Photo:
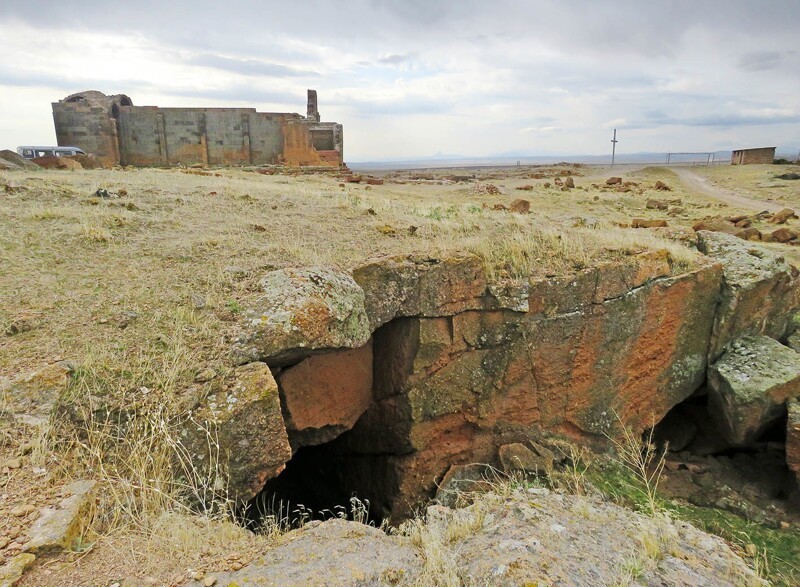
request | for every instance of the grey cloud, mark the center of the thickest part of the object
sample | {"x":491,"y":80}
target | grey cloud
{"x":760,"y":60}
{"x":250,"y":67}
{"x":394,"y":59}
{"x":658,"y":118}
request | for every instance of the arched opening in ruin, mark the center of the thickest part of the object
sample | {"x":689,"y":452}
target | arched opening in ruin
{"x":703,"y":468}
{"x":114,"y":111}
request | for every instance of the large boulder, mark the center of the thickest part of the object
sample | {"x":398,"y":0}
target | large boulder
{"x":793,"y":438}
{"x":240,"y":429}
{"x":324,"y":395}
{"x":749,"y":385}
{"x":301,"y":311}
{"x":760,"y":292}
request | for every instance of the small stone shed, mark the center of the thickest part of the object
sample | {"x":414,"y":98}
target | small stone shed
{"x":747,"y":156}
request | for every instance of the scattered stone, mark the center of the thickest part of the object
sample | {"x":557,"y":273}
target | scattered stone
{"x":782,"y":216}
{"x":499,"y":207}
{"x":12,"y":571}
{"x":461,"y":480}
{"x":780,"y":235}
{"x":17,"y":160}
{"x":205,"y":376}
{"x":546,"y":184}
{"x":302,"y":310}
{"x":518,"y":457}
{"x":61,"y":527}
{"x":15,"y":463}
{"x":569,"y":182}
{"x":22,"y":511}
{"x":387,"y":230}
{"x":748,"y":234}
{"x":743,"y":223}
{"x":654,"y":204}
{"x":525,"y":188}
{"x":660,"y":185}
{"x":614,"y":181}
{"x":198,"y":301}
{"x":374,"y":181}
{"x":520,"y":206}
{"x":645,"y":223}
{"x":31,"y":398}
{"x":749,"y":384}
{"x":209,"y":581}
{"x":714,"y":224}
{"x":488,"y":189}
{"x":105,"y":194}
{"x":788,"y":176}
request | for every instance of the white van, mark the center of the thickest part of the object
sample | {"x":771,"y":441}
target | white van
{"x":32,"y":152}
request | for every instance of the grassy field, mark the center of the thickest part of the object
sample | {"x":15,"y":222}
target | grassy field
{"x":143,"y":291}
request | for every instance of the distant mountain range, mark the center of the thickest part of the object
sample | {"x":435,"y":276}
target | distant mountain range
{"x":451,"y":160}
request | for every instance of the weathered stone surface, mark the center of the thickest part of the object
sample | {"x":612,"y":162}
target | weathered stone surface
{"x":518,"y":457}
{"x":302,"y":310}
{"x":324,"y":395}
{"x":451,"y":390}
{"x":749,"y":385}
{"x":245,"y":421}
{"x":461,"y":480}
{"x":336,"y":552}
{"x":714,"y":224}
{"x":520,"y":206}
{"x":781,"y":235}
{"x":793,"y":438}
{"x":760,"y":293}
{"x":51,"y":162}
{"x":31,"y":398}
{"x":61,"y":527}
{"x":647,"y":223}
{"x":793,"y":341}
{"x":782,"y":216}
{"x":12,"y":571}
{"x":402,"y":286}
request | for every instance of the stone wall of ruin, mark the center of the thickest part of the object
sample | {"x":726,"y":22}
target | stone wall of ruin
{"x":151,"y":136}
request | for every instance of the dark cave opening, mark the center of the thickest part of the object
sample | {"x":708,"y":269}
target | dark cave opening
{"x":319,"y":482}
{"x":703,"y":468}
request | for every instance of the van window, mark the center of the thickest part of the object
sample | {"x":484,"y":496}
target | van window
{"x":44,"y":153}
{"x":27,"y":153}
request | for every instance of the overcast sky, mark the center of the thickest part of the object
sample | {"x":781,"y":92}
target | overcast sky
{"x":413,"y":78}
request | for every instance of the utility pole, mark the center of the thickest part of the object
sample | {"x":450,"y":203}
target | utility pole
{"x":614,"y":142}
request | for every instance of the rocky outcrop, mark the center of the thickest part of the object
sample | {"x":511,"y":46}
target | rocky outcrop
{"x":760,"y":292}
{"x":619,"y":339}
{"x":530,"y":537}
{"x":300,"y":311}
{"x":749,"y":386}
{"x":336,"y":552}
{"x":240,"y":429}
{"x":460,"y":366}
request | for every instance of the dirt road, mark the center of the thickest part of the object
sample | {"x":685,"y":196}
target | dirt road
{"x":698,"y":183}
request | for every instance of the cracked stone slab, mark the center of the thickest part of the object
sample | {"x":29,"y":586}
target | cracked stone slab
{"x":749,"y":385}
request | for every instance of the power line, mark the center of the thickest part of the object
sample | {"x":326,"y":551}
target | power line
{"x":614,"y":142}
